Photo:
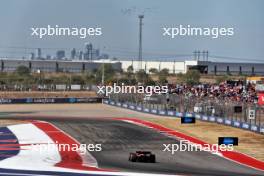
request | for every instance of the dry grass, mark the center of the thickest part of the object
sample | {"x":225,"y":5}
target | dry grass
{"x":4,"y":123}
{"x":250,"y":143}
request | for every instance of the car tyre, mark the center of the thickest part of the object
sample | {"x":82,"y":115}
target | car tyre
{"x":152,"y":159}
{"x":132,"y":157}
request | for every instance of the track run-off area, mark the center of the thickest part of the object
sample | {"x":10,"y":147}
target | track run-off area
{"x":123,"y":131}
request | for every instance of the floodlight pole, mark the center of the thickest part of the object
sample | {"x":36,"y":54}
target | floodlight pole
{"x":140,"y":41}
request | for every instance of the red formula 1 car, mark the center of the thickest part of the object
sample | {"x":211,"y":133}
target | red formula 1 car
{"x":142,"y":156}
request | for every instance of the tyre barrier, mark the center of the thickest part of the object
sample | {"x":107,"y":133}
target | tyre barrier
{"x":170,"y":113}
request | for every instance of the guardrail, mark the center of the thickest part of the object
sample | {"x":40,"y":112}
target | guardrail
{"x":171,"y":113}
{"x":49,"y":100}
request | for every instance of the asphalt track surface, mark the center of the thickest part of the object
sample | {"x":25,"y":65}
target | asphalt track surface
{"x":119,"y":138}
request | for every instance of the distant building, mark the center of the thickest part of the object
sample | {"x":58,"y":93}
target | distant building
{"x":38,"y":53}
{"x":104,"y":56}
{"x":80,"y":55}
{"x":10,"y":65}
{"x":205,"y":67}
{"x":48,"y":57}
{"x":88,"y":51}
{"x":32,"y":56}
{"x":60,"y":54}
{"x":86,"y":56}
{"x":73,"y":53}
{"x":96,"y":54}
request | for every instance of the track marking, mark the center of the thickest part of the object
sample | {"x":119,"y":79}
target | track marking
{"x":70,"y":159}
{"x":234,"y":156}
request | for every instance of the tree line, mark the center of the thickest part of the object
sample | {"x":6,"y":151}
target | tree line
{"x":23,"y":76}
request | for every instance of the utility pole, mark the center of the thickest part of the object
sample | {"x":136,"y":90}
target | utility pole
{"x":207,"y":53}
{"x":204,"y":55}
{"x":195,"y":55}
{"x":103,"y":73}
{"x":140,"y":41}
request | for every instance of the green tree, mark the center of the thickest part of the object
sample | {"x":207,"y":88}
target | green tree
{"x":192,"y":77}
{"x":61,"y":79}
{"x":164,"y":71}
{"x":22,"y":70}
{"x":77,"y":79}
{"x":153,"y":71}
{"x":89,"y":77}
{"x":143,"y":77}
{"x":130,"y":69}
{"x":162,"y":79}
{"x":22,"y":77}
{"x":163,"y":74}
{"x":109,"y":73}
{"x":130,"y":73}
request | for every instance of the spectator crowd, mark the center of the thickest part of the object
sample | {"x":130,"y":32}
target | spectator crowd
{"x":229,"y":90}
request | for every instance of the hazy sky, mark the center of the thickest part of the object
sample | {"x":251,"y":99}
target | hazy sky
{"x":120,"y":29}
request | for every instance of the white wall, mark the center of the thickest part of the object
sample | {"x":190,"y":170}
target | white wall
{"x":174,"y":67}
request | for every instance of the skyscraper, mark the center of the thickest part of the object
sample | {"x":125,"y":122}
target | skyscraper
{"x":60,"y":54}
{"x":73,"y":53}
{"x":88,"y":54}
{"x":38,"y":53}
{"x":80,"y":55}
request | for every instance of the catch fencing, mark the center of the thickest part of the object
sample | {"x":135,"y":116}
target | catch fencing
{"x":243,"y":115}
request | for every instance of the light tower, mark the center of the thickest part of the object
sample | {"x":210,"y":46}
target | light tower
{"x":140,"y":42}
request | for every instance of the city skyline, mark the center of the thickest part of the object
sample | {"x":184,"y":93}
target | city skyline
{"x":86,"y":53}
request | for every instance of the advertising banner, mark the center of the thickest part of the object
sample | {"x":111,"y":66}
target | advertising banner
{"x":50,"y":100}
{"x":261,"y":99}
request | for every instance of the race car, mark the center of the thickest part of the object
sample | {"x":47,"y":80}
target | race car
{"x":142,"y":156}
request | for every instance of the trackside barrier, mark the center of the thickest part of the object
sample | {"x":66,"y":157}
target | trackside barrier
{"x":49,"y":100}
{"x":171,"y":113}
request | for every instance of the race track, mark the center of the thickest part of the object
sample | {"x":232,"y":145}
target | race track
{"x":119,"y":138}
